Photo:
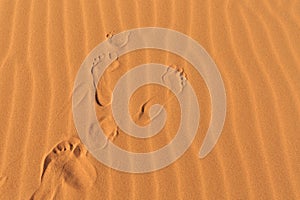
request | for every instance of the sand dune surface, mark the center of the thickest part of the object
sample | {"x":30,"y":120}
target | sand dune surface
{"x":255,"y":45}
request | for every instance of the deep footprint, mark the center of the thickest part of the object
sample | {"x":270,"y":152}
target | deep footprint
{"x":66,"y":171}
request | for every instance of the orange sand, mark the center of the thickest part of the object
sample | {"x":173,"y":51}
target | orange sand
{"x":255,"y":45}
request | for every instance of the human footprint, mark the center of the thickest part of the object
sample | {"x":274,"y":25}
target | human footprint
{"x":67,"y":173}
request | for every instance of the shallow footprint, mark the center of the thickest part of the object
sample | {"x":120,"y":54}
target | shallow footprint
{"x":67,"y":173}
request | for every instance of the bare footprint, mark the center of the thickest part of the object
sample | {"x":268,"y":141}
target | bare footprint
{"x":67,"y":173}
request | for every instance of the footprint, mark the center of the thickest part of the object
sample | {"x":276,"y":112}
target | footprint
{"x":175,"y":78}
{"x":66,"y":171}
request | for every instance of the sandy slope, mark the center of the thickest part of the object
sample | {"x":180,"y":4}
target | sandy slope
{"x":255,"y":44}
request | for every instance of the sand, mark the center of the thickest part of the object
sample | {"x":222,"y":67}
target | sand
{"x":255,"y":45}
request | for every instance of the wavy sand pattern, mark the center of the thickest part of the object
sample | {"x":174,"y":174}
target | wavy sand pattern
{"x":255,"y":44}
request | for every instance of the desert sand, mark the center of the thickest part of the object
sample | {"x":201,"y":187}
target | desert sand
{"x":256,"y":46}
